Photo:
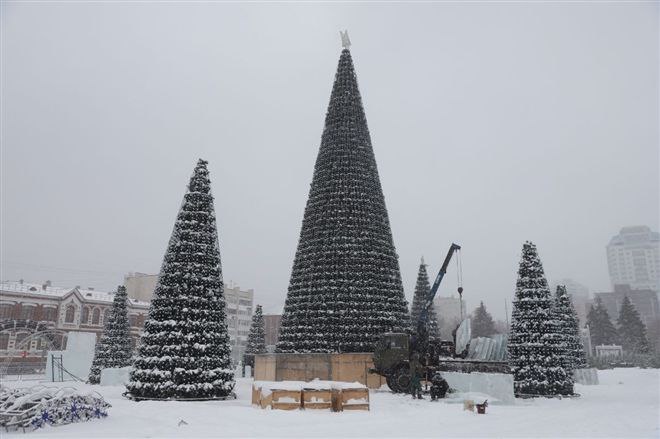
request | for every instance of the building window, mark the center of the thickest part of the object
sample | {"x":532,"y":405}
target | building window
{"x":49,"y":314}
{"x":27,"y":312}
{"x":19,"y":339}
{"x":43,"y":343}
{"x":96,"y":316}
{"x":132,"y":320}
{"x":4,"y":341}
{"x":70,"y":314}
{"x":84,"y":318}
{"x":6,"y":310}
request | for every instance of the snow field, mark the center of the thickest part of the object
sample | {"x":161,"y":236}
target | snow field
{"x":625,"y":404}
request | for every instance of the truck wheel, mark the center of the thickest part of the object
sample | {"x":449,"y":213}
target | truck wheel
{"x":402,"y":379}
{"x":391,"y":383}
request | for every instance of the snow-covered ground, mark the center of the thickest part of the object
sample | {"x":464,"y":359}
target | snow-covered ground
{"x":625,"y":404}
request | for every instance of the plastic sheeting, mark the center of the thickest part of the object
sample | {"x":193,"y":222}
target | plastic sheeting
{"x":498,"y":387}
{"x":76,"y":359}
{"x":488,"y":348}
{"x":463,"y":335}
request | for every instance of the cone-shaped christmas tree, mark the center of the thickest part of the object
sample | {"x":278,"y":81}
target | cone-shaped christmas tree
{"x":536,"y":354}
{"x":256,"y":342}
{"x":632,"y":331}
{"x":422,"y":289}
{"x":114,"y":348}
{"x":345,"y":288}
{"x":185,"y":350}
{"x":600,"y":324}
{"x":570,"y":328}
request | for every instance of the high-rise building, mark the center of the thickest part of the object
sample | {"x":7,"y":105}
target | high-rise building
{"x":633,"y":258}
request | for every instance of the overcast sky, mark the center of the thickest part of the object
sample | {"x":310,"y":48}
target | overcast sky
{"x":491,"y":123}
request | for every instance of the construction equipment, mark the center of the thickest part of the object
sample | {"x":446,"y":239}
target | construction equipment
{"x":394,"y":351}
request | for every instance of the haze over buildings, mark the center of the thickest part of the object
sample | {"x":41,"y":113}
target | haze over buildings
{"x":481,"y":138}
{"x":633,"y":258}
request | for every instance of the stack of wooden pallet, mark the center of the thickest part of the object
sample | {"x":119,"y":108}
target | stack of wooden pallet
{"x":313,"y":395}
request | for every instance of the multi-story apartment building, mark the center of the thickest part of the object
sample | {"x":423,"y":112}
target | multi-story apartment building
{"x":239,"y":318}
{"x":25,"y":307}
{"x":633,"y":258}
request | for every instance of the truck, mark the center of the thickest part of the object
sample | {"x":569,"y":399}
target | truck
{"x":393,"y":351}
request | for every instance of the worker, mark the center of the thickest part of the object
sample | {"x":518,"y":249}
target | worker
{"x":439,"y":386}
{"x":415,"y":378}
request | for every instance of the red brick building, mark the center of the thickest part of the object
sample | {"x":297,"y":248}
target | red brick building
{"x":29,"y":308}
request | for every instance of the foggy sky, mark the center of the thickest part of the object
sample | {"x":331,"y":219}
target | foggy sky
{"x":491,"y":124}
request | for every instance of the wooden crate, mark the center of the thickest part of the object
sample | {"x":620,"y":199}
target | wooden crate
{"x":256,"y":395}
{"x":315,"y":399}
{"x":285,"y":399}
{"x":353,"y":399}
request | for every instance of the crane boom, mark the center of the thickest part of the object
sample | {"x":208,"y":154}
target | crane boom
{"x":423,"y":315}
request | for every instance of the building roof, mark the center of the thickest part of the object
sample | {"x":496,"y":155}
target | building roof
{"x":60,"y":292}
{"x":635,"y":235}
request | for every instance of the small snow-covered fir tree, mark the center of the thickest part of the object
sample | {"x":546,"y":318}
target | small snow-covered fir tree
{"x":631,"y":331}
{"x":345,"y":288}
{"x":185,"y":350}
{"x":569,"y":327}
{"x":256,"y":342}
{"x":535,"y":350}
{"x":114,"y":347}
{"x":601,"y":328}
{"x":482,"y":322}
{"x":422,"y":289}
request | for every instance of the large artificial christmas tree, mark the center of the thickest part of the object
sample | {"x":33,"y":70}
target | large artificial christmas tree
{"x":114,"y":348}
{"x":422,"y":289}
{"x":482,"y":322}
{"x":600,"y":325}
{"x":345,"y":288}
{"x":256,"y":342}
{"x":631,"y":331}
{"x":536,"y":354}
{"x":185,"y":352}
{"x":570,"y":329}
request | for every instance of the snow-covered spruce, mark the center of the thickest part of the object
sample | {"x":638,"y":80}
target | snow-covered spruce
{"x":345,"y":288}
{"x":256,"y":342}
{"x":482,"y":322}
{"x":422,"y":289}
{"x":631,"y":329}
{"x":535,"y":344}
{"x":184,"y":351}
{"x":570,"y":328}
{"x":601,"y":328}
{"x":114,"y":348}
